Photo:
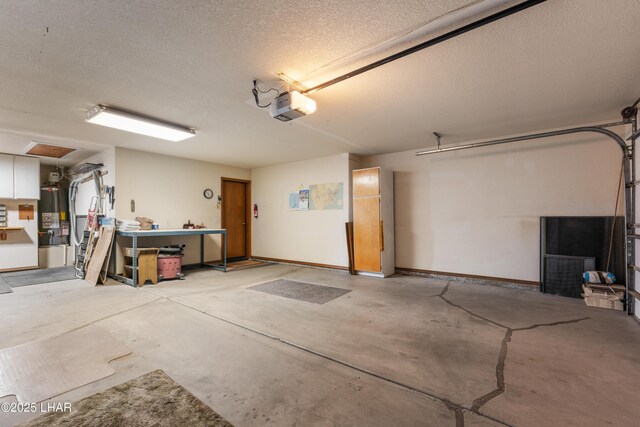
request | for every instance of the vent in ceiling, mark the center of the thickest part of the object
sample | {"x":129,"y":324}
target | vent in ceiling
{"x":47,"y":150}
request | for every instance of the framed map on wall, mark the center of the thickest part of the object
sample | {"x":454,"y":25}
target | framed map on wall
{"x":326,"y":196}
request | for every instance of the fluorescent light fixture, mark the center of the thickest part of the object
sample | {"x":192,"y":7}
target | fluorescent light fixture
{"x":110,"y":117}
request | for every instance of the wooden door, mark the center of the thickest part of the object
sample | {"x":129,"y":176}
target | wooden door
{"x":367,"y":238}
{"x":235,"y":217}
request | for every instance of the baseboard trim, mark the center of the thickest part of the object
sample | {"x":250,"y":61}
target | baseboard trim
{"x":308,"y":264}
{"x":444,"y":275}
{"x":15,"y":269}
{"x":460,"y":277}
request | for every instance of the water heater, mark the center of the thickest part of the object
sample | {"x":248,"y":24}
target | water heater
{"x":53,"y":216}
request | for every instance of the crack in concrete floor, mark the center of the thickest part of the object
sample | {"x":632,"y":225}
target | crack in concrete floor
{"x":502,"y":357}
{"x":457,"y":408}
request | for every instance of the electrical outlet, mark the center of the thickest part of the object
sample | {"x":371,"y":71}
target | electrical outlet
{"x":133,"y":205}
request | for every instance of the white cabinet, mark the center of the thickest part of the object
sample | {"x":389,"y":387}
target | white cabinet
{"x":20,"y":249}
{"x":6,"y":176}
{"x":26,"y":177}
{"x":19,"y":177}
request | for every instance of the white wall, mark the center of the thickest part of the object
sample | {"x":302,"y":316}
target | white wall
{"x":477,"y":211}
{"x":169,"y":190}
{"x":87,"y":190}
{"x":315,"y":236}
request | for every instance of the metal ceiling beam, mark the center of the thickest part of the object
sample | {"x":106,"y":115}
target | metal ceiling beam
{"x":432,"y":42}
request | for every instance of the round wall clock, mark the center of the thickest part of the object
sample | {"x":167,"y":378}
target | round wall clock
{"x":208,"y":193}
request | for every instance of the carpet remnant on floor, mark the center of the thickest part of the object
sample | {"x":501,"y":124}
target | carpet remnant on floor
{"x":153,"y":399}
{"x":36,"y":277}
{"x":39,"y":370}
{"x":317,"y":294}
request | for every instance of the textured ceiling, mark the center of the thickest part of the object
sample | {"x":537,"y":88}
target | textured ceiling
{"x":561,"y":63}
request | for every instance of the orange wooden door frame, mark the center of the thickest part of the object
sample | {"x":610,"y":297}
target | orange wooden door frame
{"x":247,"y":210}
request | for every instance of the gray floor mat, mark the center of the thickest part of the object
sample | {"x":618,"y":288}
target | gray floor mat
{"x":301,"y":291}
{"x":4,"y":288}
{"x":35,"y":277}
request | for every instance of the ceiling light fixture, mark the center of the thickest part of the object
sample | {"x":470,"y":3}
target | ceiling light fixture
{"x":110,"y":117}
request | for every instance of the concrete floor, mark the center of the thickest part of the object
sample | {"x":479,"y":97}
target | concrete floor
{"x":393,"y":352}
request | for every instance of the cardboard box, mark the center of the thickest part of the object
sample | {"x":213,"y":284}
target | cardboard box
{"x":603,"y":298}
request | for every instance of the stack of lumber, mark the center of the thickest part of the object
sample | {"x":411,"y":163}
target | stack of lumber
{"x":98,"y":256}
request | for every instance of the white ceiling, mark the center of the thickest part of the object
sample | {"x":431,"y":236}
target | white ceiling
{"x":561,"y":63}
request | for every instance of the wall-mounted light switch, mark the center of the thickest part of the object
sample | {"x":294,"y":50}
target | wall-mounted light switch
{"x":133,"y":205}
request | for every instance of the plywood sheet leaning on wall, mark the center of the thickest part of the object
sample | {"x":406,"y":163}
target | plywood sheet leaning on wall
{"x":349,"y":234}
{"x":100,"y":255}
{"x":102,"y":279}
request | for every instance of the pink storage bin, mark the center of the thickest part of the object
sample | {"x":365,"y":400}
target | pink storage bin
{"x":169,"y":266}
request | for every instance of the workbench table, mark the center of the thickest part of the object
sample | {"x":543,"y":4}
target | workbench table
{"x":133,"y":281}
